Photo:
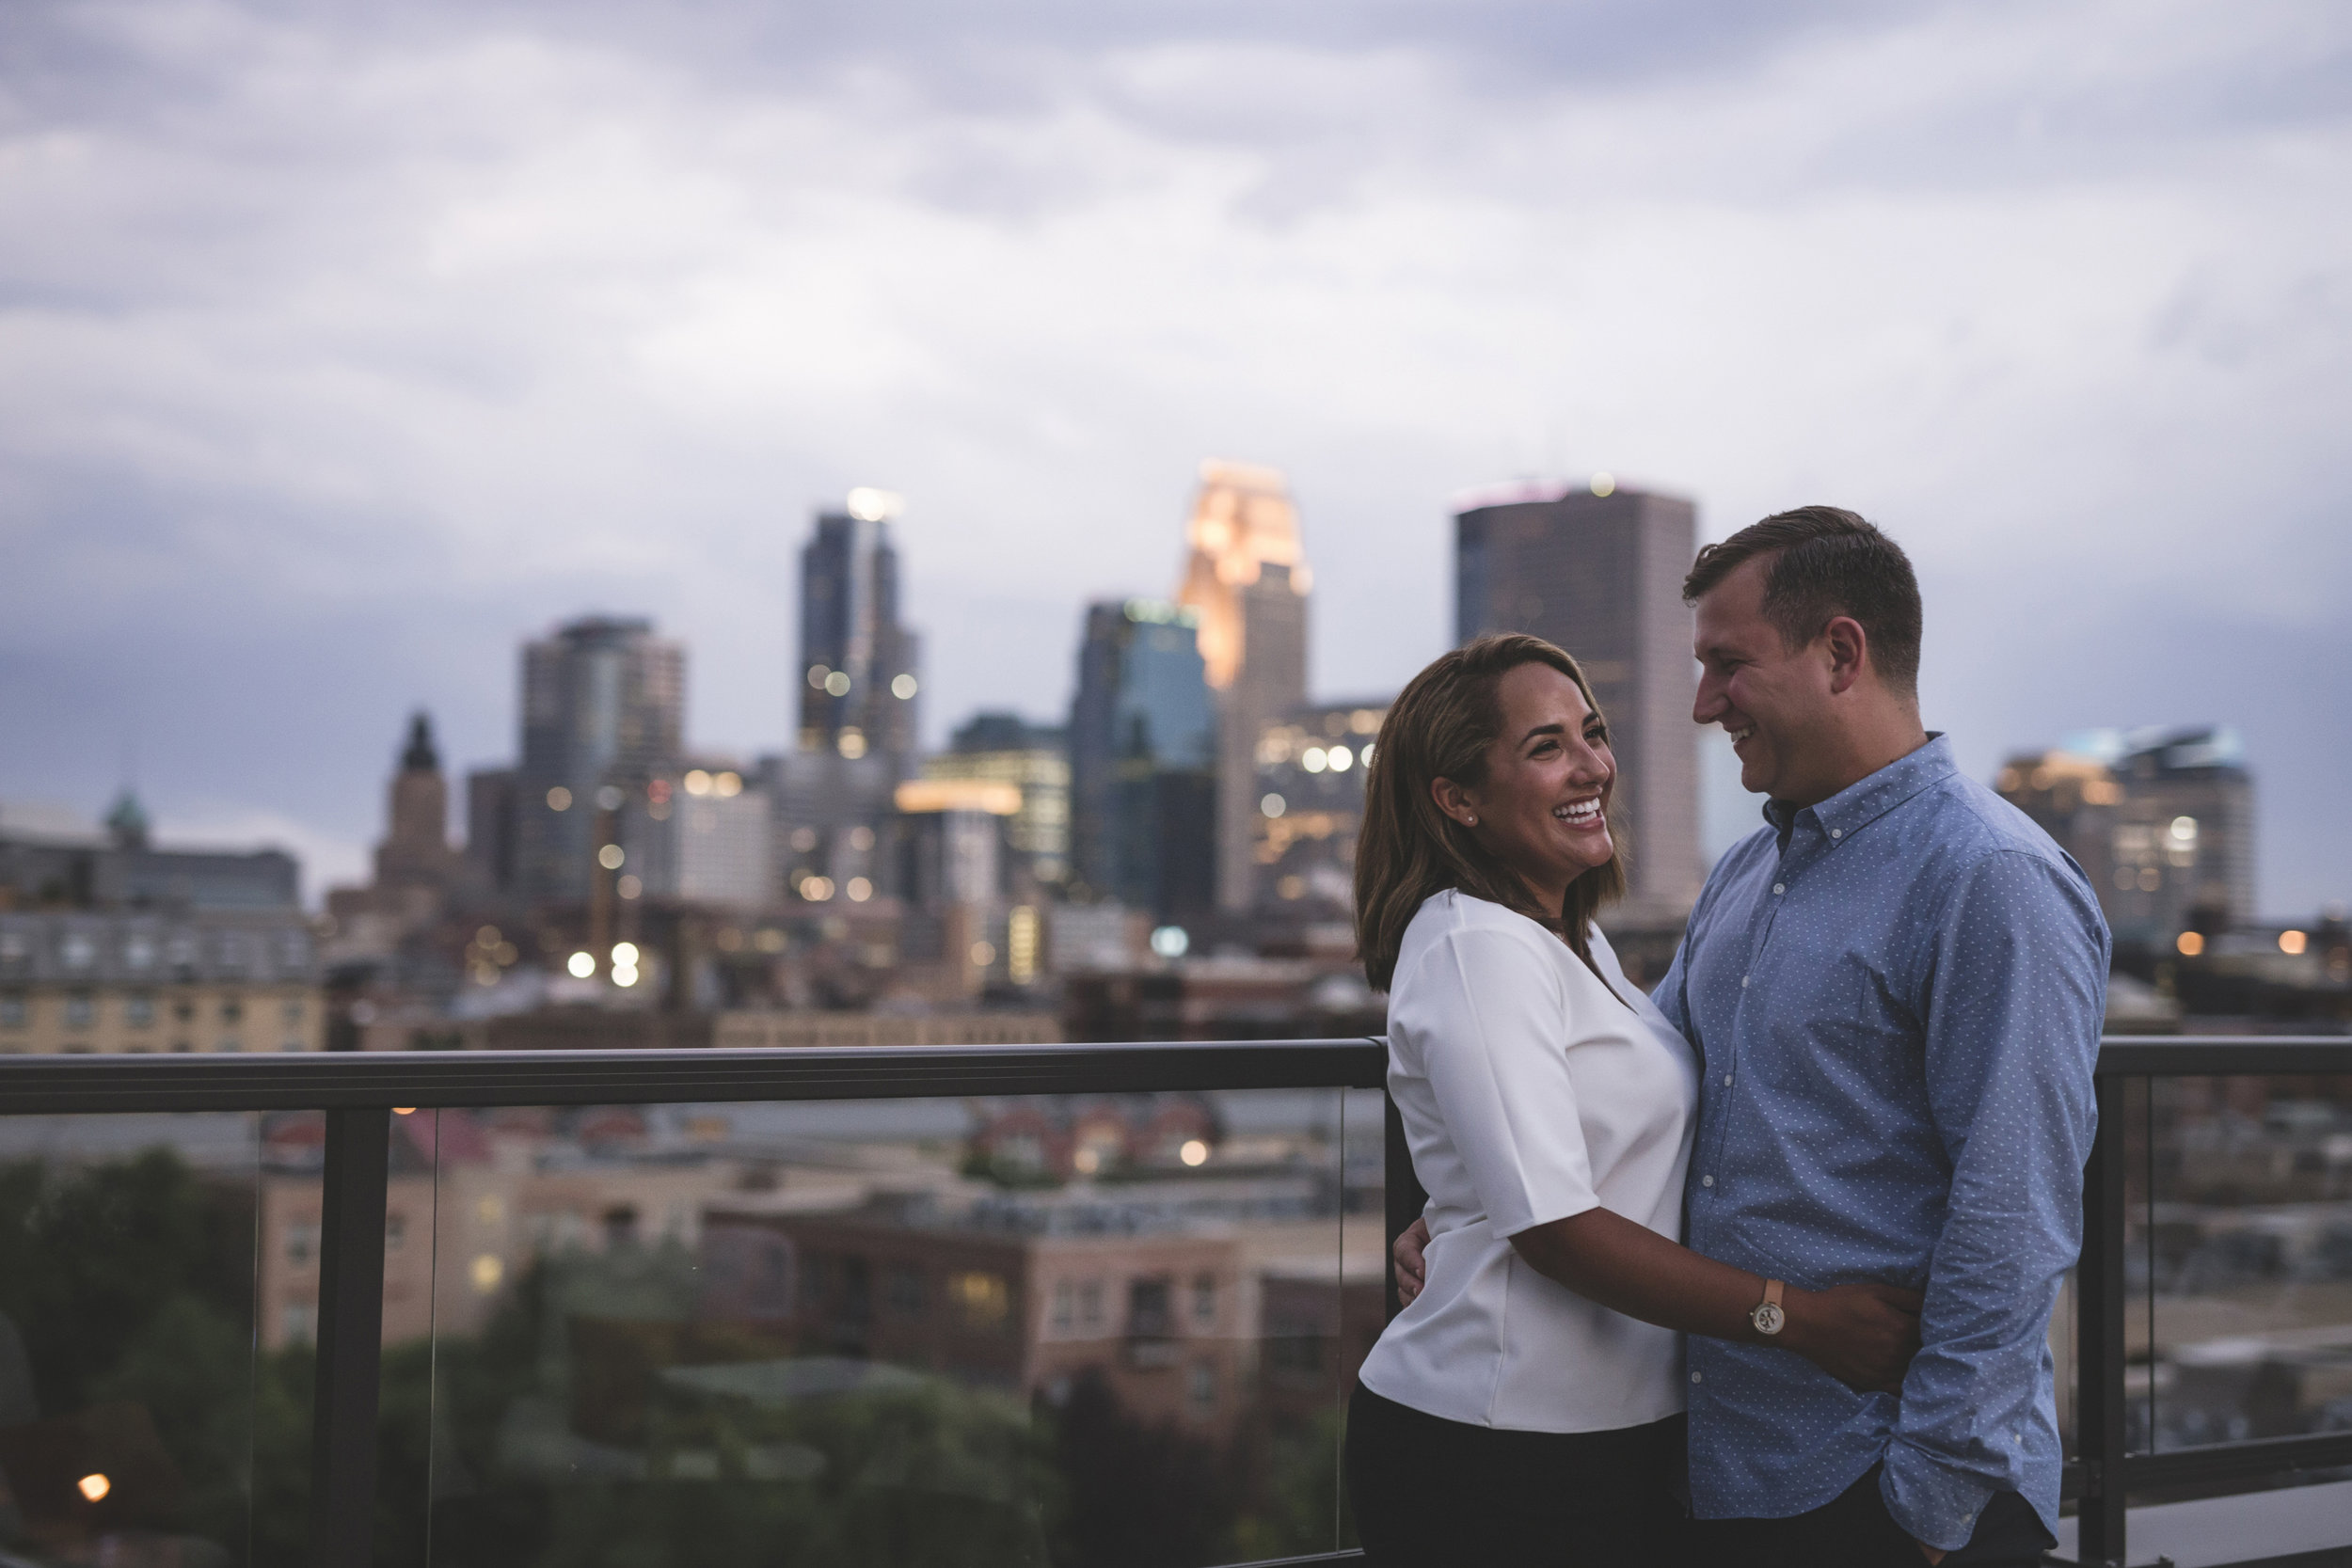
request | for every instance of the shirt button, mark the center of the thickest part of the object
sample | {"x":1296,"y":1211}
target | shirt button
{"x":1727,"y":1080}
{"x":1743,"y":982}
{"x":1707,"y":1181}
{"x":1837,"y":833}
{"x":1695,"y":1378}
{"x":1780,"y":887}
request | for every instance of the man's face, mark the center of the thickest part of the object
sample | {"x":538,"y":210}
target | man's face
{"x":1773,"y":700}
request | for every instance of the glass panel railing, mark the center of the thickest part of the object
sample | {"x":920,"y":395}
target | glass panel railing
{"x":1080,"y":1330}
{"x":129,"y":1388}
{"x":2249,"y":1257}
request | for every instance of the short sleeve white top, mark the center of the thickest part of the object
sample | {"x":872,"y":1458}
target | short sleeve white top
{"x":1529,"y":1094}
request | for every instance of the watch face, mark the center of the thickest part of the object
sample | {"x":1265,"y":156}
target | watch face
{"x":1768,"y":1317}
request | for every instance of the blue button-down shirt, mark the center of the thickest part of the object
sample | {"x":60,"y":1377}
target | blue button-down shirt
{"x":1897,"y":994}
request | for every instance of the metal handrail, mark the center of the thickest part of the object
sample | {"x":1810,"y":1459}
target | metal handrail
{"x":327,"y":1081}
{"x":359,"y":1089}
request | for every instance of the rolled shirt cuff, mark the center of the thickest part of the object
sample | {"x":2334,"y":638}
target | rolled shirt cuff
{"x":1936,"y":1502}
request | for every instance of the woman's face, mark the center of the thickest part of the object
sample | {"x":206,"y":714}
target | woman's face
{"x":1544,"y":808}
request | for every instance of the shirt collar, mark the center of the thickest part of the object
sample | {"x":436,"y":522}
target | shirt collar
{"x":1865,"y":801}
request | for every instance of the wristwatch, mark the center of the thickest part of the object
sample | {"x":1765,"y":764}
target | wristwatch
{"x":1766,"y":1315}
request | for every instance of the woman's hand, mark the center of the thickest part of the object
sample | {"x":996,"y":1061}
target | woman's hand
{"x":1861,"y":1335}
{"x":1412,"y":1269}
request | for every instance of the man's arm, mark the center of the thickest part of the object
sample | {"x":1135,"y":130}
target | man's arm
{"x":2015,"y":1000}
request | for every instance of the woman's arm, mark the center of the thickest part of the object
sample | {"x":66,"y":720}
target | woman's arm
{"x":1861,"y":1335}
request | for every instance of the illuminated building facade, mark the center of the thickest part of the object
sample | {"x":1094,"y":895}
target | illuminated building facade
{"x":1309,"y":806}
{"x":603,"y":703}
{"x":1598,"y":571}
{"x":1143,"y":747}
{"x":858,"y":663}
{"x":1245,"y":581}
{"x":2161,"y":820}
{"x":1004,"y":748}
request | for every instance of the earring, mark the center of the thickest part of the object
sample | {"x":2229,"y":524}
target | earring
{"x":1473,"y":822}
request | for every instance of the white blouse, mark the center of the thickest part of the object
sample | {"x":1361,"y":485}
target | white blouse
{"x":1529,"y":1094}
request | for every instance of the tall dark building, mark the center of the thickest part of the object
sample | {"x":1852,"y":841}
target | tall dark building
{"x":490,"y":826}
{"x":1143,"y":738}
{"x":1598,"y":571}
{"x":603,"y":702}
{"x":858,"y":662}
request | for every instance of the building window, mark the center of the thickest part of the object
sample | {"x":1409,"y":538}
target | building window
{"x":1065,"y":1306}
{"x":985,"y":1300}
{"x":904,"y":1288}
{"x":184,"y":1045}
{"x":290,"y":1045}
{"x":13,"y":1012}
{"x":81,"y":1011}
{"x":300,"y":1319}
{"x":813,"y":1269}
{"x":302,"y":1242}
{"x":228,"y":1043}
{"x":138,"y":1010}
{"x":1151,"y":1313}
{"x":139,"y":951}
{"x":396,"y":1231}
{"x":1201,"y":1387}
{"x":232,"y":1009}
{"x":183,"y":1011}
{"x":292,"y":1012}
{"x":1204,"y":1299}
{"x":1090,"y":1305}
{"x":78,"y":950}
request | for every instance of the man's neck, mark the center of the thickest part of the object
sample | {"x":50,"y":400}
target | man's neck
{"x":1862,"y":752}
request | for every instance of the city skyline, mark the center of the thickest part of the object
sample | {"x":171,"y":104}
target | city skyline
{"x":2045,"y":291}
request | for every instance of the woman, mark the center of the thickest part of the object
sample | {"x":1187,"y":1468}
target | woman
{"x":1527,"y":1406}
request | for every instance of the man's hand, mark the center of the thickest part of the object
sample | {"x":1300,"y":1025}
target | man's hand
{"x":1936,"y":1554}
{"x":1411,"y":1270}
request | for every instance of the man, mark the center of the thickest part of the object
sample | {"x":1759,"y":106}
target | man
{"x":1896,"y":988}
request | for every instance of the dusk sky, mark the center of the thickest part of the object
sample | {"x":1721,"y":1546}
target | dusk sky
{"x":344,"y":346}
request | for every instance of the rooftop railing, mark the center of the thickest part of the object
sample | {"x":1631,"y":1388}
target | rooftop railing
{"x":939,"y":1303}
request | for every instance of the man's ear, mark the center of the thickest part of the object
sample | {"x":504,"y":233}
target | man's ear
{"x":1848,"y":648}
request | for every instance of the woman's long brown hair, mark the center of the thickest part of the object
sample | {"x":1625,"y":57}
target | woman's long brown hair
{"x":1440,"y":727}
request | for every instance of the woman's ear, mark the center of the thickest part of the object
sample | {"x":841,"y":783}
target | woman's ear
{"x":1456,"y":801}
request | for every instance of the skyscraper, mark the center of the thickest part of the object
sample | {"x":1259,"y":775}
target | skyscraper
{"x":1245,"y":581}
{"x":1598,"y":571}
{"x":1142,"y":747}
{"x":857,"y":661}
{"x":603,"y":703}
{"x":2161,"y":820}
{"x":416,"y":850}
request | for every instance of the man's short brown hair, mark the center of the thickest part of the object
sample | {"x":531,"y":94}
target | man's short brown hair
{"x":1823,"y":562}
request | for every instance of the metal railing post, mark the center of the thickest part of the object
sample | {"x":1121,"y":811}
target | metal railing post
{"x":350,"y":1339}
{"x":2099,"y":1337}
{"x":1402,"y":1190}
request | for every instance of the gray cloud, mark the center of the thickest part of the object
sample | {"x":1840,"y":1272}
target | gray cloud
{"x":342,"y":346}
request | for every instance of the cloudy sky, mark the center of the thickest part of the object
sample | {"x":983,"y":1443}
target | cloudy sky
{"x":344,"y":345}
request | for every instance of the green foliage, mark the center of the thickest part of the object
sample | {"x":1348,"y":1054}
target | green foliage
{"x":1297,"y":1496}
{"x":90,"y":1258}
{"x":130,"y":1283}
